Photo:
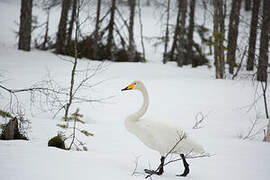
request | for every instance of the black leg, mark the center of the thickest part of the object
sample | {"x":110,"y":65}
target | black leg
{"x":186,"y":165}
{"x":160,"y":169}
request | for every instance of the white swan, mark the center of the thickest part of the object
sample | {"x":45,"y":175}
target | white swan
{"x":159,"y":135}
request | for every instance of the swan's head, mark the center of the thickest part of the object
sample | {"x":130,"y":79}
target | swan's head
{"x":134,"y":85}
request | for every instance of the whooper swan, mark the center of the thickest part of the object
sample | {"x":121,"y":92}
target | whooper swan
{"x":160,"y":135}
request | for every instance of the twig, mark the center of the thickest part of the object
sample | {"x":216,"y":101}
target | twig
{"x":136,"y":165}
{"x":199,"y":121}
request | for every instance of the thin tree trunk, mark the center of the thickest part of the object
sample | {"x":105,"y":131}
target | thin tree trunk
{"x":71,"y":22}
{"x":96,"y":35}
{"x":111,"y":29}
{"x":25,"y":25}
{"x":141,"y":29}
{"x":219,"y":38}
{"x":215,"y":35}
{"x":176,"y":31}
{"x":233,"y":34}
{"x":46,"y":29}
{"x":98,"y":16}
{"x":223,"y":12}
{"x":61,"y":34}
{"x":76,"y":17}
{"x":264,"y":43}
{"x":253,"y":35}
{"x":73,"y":72}
{"x":131,"y":47}
{"x":165,"y":55}
{"x":190,"y":33}
{"x":264,"y":89}
{"x":181,"y":46}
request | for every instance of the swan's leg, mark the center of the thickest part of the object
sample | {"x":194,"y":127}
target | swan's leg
{"x":186,"y":165}
{"x":160,"y":169}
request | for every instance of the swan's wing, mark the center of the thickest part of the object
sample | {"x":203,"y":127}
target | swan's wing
{"x":158,"y":135}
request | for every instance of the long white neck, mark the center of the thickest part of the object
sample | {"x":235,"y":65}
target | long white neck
{"x":144,"y":107}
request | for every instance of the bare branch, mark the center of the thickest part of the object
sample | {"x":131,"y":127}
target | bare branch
{"x":200,"y":117}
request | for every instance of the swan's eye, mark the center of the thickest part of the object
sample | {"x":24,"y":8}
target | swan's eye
{"x":134,"y":84}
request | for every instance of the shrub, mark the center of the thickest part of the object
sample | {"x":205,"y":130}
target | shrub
{"x":57,"y":141}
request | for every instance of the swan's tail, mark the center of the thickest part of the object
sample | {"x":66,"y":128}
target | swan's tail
{"x":196,"y":149}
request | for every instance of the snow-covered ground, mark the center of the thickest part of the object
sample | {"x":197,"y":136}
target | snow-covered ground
{"x":176,"y":94}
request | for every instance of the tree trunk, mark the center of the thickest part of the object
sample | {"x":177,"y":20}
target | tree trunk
{"x":73,"y":72}
{"x":71,"y":22}
{"x":97,"y":17}
{"x":176,"y":31}
{"x":264,"y":42}
{"x":190,"y":33}
{"x":131,"y":47}
{"x":46,"y":29}
{"x":219,"y":38}
{"x":141,"y":30}
{"x":111,"y":29}
{"x":253,"y":35}
{"x":248,"y":5}
{"x":233,"y":34}
{"x":165,"y":55}
{"x":62,"y":27}
{"x":181,"y":46}
{"x":25,"y":25}
{"x":96,"y":38}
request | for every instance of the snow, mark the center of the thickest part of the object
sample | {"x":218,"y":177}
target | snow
{"x":176,"y":94}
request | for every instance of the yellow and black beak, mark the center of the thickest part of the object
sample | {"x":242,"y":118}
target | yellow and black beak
{"x":129,"y":87}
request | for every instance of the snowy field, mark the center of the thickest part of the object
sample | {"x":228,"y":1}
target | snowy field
{"x":176,"y":95}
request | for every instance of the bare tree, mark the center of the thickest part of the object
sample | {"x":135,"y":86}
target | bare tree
{"x":181,"y":40}
{"x":165,"y":56}
{"x":71,"y":22}
{"x":25,"y":25}
{"x":192,"y":7}
{"x":264,"y":89}
{"x":131,"y":47}
{"x":46,"y":5}
{"x":253,"y":35}
{"x":176,"y":31}
{"x":111,"y":30}
{"x":62,"y":27}
{"x":264,"y":43}
{"x":141,"y":29}
{"x":218,"y":34}
{"x":233,"y":34}
{"x":97,"y":26}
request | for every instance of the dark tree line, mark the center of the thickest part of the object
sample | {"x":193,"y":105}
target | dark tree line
{"x":184,"y":50}
{"x":108,"y":41}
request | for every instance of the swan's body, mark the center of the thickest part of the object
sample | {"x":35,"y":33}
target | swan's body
{"x":162,"y":137}
{"x":159,"y":135}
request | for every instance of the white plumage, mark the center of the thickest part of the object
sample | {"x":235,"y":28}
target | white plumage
{"x":162,"y":136}
{"x":159,"y":135}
